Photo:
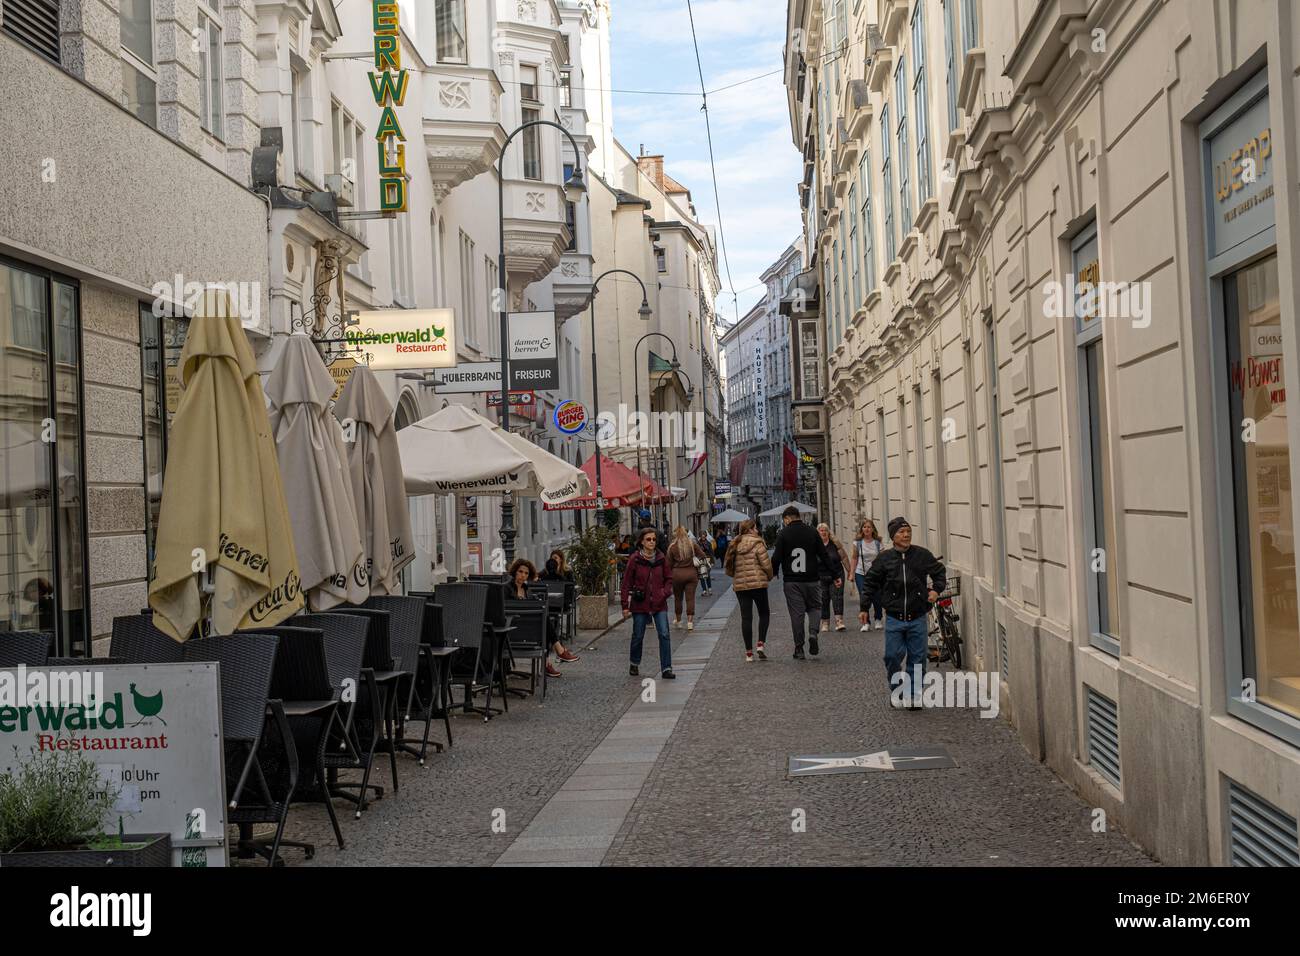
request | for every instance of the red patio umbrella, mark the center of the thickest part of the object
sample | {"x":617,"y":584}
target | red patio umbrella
{"x":621,"y":487}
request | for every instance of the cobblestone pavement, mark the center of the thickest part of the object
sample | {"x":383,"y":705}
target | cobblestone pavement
{"x":718,"y":793}
{"x":442,"y":815}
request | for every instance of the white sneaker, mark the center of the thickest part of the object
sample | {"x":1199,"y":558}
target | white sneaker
{"x":865,"y":627}
{"x":690,"y":625}
{"x":880,"y":625}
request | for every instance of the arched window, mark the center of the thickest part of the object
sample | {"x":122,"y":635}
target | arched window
{"x":408,"y":411}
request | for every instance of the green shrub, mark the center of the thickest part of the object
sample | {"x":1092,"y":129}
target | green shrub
{"x":54,"y":800}
{"x":592,"y":560}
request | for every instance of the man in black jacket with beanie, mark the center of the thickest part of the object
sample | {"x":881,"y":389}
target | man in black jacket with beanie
{"x":802,"y":560}
{"x":906,"y":579}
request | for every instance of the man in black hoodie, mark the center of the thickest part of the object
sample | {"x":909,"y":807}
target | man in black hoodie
{"x":802,"y":559}
{"x":906,"y":580}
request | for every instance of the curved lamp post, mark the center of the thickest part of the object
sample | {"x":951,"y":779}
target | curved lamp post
{"x":636,"y":379}
{"x":645,"y":313}
{"x":575,"y":183}
{"x":690,"y":397}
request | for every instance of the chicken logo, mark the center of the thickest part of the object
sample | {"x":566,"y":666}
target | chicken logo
{"x":147,"y":707}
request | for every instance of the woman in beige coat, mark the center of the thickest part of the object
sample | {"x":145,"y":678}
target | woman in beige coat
{"x":750,"y":568}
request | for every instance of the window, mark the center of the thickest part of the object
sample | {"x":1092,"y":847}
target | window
{"x":345,"y":133}
{"x":1099,"y":519}
{"x":210,"y":56}
{"x":950,"y":56}
{"x":400,"y":264}
{"x":904,"y":170}
{"x":469,"y":320}
{"x":922,"y":487}
{"x":809,"y":361}
{"x":854,"y":250}
{"x":970,"y":25}
{"x":998,"y":516}
{"x":139,"y":81}
{"x":921,"y":106}
{"x":301,"y":116}
{"x":162,"y":337}
{"x":890,"y":247}
{"x":661,"y":259}
{"x":532,"y":148}
{"x":884,"y":463}
{"x":450,"y":18}
{"x":566,"y":88}
{"x":571,"y":214}
{"x":868,"y":243}
{"x":490,"y":287}
{"x":846,"y":312}
{"x":528,"y":84}
{"x":35,"y":24}
{"x":1261,"y":470}
{"x":567,"y":57}
{"x":940,"y":463}
{"x":42,"y":550}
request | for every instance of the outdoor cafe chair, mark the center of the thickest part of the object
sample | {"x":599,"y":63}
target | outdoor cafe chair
{"x":389,"y":674}
{"x":29,"y":648}
{"x":246,"y":664}
{"x":433,"y":674}
{"x":529,"y":640}
{"x":355,"y":687}
{"x":302,"y":681}
{"x":406,"y":636}
{"x":136,"y":641}
{"x":496,"y":628}
{"x":464,"y":609}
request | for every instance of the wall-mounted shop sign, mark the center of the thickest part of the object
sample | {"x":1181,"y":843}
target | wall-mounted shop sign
{"x":389,"y":83}
{"x":534,"y":361}
{"x":1239,"y":175}
{"x":341,"y":370}
{"x":406,"y":338}
{"x":760,"y":392}
{"x":523,"y":399}
{"x":469,"y":377}
{"x":571,"y":417}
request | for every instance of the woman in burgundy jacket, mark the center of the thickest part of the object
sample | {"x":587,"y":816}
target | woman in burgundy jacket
{"x":647,"y":583}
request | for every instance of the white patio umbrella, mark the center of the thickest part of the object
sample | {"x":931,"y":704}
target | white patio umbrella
{"x":776,"y":512}
{"x":375,"y":469}
{"x":457,"y":451}
{"x":318,"y":489}
{"x":730,"y":516}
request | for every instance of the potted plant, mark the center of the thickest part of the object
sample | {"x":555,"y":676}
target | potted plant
{"x":593,"y":562}
{"x":52,"y":809}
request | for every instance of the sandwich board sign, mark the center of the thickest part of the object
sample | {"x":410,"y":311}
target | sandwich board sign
{"x":153,"y":730}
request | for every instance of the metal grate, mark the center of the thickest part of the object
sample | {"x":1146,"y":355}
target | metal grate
{"x":1259,"y":833}
{"x":1103,"y":736}
{"x":35,"y":24}
{"x":1002,"y":653}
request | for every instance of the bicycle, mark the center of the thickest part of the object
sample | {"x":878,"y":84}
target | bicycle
{"x":944,"y":636}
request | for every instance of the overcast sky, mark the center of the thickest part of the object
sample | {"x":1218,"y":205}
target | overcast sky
{"x":758,"y":166}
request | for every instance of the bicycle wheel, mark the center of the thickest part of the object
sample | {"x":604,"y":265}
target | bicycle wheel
{"x":951,"y":640}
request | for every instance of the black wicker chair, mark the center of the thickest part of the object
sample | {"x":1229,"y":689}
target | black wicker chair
{"x":464,"y":628}
{"x":389,"y":675}
{"x":28,"y":648}
{"x":435,"y":673}
{"x":496,"y":628}
{"x":528,"y":640}
{"x":136,"y":641}
{"x":408,"y":630}
{"x":247,"y":663}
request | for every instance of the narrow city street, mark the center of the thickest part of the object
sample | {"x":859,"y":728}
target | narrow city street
{"x":597,"y":776}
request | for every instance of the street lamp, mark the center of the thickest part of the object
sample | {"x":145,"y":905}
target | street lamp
{"x":645,"y":313}
{"x":690,"y":398}
{"x":636,"y":379}
{"x":574,"y":184}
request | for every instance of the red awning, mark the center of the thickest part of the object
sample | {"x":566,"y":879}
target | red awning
{"x":620,"y":487}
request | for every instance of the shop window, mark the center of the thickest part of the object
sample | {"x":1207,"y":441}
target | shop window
{"x":42,"y":507}
{"x":162,"y":337}
{"x":1262,"y":498}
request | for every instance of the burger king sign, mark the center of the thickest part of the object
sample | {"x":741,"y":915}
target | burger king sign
{"x":570,"y":417}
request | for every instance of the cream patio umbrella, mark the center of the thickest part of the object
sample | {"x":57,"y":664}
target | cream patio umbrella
{"x":223,"y":511}
{"x":457,"y":451}
{"x":375,"y":470}
{"x":313,"y":462}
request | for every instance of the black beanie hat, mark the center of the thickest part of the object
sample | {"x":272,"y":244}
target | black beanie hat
{"x":895,"y":524}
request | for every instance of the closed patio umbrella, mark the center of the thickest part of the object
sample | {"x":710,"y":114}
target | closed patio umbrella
{"x":223,"y":507}
{"x":375,"y":469}
{"x":313,"y":462}
{"x":457,"y":451}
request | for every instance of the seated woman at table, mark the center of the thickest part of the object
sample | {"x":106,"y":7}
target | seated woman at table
{"x":557,"y":569}
{"x":521,"y":573}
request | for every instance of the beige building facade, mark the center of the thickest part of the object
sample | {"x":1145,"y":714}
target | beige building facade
{"x":1053,"y":243}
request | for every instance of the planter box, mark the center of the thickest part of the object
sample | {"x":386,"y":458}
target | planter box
{"x":157,"y":851}
{"x":593,"y":612}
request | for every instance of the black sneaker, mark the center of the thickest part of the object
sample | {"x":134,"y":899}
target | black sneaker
{"x":634,"y":671}
{"x":812,"y":646}
{"x":668,"y":675}
{"x":798,"y":653}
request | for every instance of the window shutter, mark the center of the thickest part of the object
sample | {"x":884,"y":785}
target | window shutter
{"x":35,"y":24}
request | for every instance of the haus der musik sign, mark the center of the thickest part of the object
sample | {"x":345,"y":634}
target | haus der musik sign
{"x":389,"y":83}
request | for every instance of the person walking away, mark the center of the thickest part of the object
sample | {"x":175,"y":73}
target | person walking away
{"x":720,"y":552}
{"x":751,"y":569}
{"x":802,"y":560}
{"x":522,"y":573}
{"x":833,"y":585}
{"x":906,"y":579}
{"x":706,"y":569}
{"x":866,"y":548}
{"x":646,"y":586}
{"x":682,"y":555}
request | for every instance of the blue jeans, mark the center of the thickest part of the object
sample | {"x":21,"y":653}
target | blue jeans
{"x":910,"y":638}
{"x":864,"y":606}
{"x":639,"y":621}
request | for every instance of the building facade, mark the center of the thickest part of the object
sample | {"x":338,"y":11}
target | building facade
{"x":759,"y":409}
{"x":1047,"y":242}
